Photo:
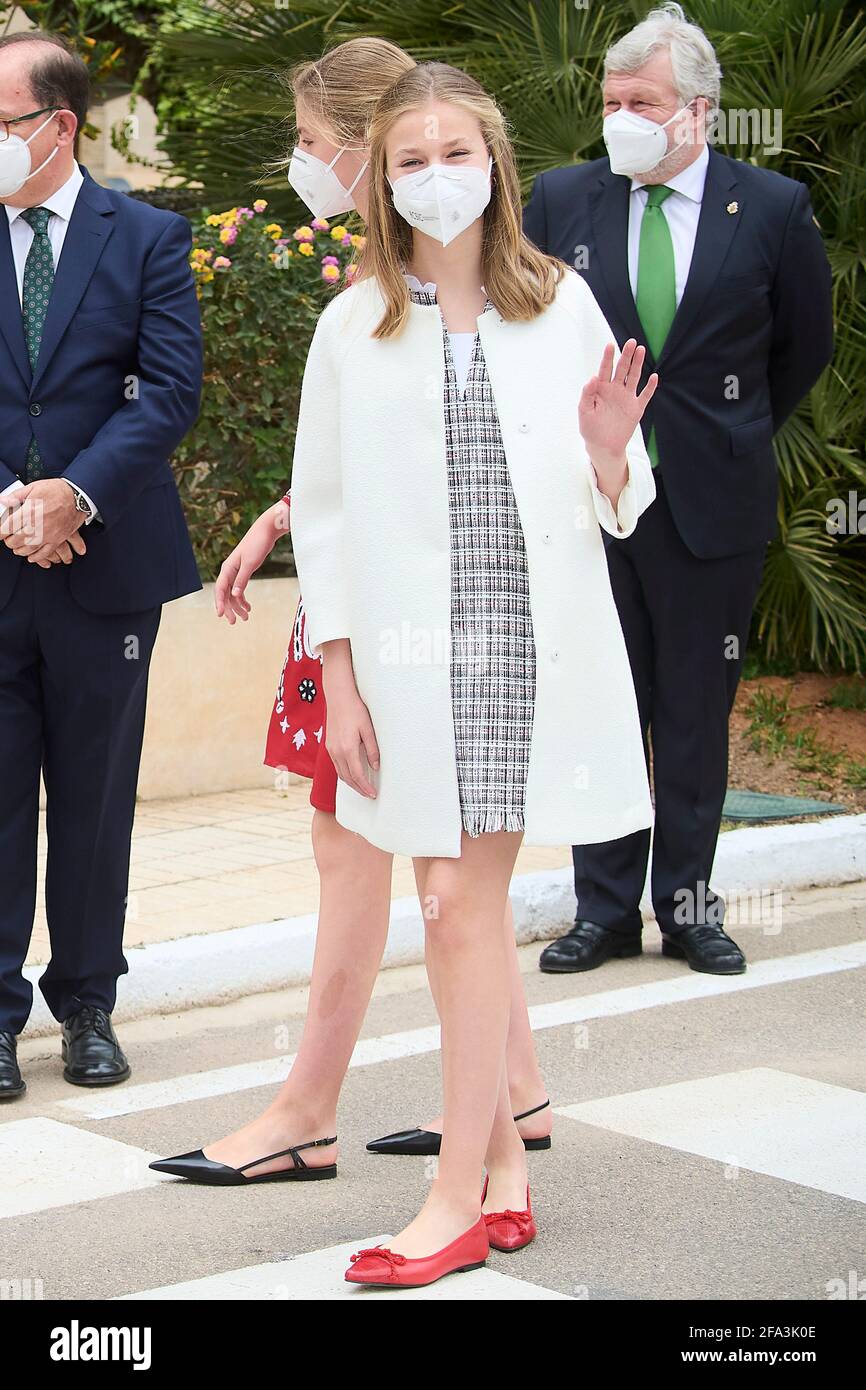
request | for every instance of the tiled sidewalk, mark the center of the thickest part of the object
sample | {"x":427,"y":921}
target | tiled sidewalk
{"x":206,"y":863}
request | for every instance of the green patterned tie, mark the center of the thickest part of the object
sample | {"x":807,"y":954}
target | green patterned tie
{"x":36,"y":292}
{"x":656,"y":282}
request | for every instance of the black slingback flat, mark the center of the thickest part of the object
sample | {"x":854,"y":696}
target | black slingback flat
{"x":426,"y":1142}
{"x":196,"y":1167}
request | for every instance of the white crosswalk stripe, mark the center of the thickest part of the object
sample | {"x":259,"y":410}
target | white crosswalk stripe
{"x":46,"y":1164}
{"x":767,"y":1121}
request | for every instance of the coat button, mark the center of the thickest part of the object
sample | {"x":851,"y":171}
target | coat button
{"x":554,"y":655}
{"x":35,"y":408}
{"x":523,"y":427}
{"x":546,"y":538}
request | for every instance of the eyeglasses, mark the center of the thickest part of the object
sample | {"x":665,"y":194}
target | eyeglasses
{"x":14,"y":120}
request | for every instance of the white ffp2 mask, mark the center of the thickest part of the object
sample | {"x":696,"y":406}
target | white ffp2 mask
{"x":317,"y":185}
{"x":442,"y":200}
{"x":635,"y":144}
{"x":16,"y":166}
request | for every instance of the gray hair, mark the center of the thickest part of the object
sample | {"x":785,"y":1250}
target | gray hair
{"x":694,"y":64}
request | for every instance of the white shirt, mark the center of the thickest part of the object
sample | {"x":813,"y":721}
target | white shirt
{"x":682,"y":211}
{"x":461,"y":356}
{"x":60,"y":205}
{"x":460,"y":343}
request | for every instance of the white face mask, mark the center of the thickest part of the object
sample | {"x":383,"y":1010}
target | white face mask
{"x":15,"y":162}
{"x":442,"y":200}
{"x":316,"y":183}
{"x":634,"y":143}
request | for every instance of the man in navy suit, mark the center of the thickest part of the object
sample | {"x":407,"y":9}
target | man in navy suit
{"x":719,"y":268}
{"x":100,"y":375}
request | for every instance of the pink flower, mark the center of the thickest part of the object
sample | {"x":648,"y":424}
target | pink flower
{"x":221,"y":263}
{"x":330,"y":260}
{"x":330,"y":272}
{"x":320,"y":225}
{"x":346,"y":240}
{"x":228,"y":236}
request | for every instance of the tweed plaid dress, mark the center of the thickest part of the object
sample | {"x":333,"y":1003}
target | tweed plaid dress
{"x":492,"y":643}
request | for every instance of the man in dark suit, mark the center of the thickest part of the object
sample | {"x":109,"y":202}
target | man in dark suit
{"x":719,"y":268}
{"x":100,"y":374}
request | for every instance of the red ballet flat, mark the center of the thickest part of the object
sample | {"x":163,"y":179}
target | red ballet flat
{"x":386,"y":1269}
{"x":510,"y":1230}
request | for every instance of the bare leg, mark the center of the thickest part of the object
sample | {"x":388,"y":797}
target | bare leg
{"x":505,"y":1160}
{"x":354,"y":909}
{"x":525,"y":1082}
{"x":471,"y":970}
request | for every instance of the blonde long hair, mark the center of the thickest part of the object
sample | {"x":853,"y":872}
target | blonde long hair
{"x":340,"y":90}
{"x":519,"y":279}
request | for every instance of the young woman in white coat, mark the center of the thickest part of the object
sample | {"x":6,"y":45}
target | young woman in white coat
{"x":334,"y":98}
{"x":463,"y":433}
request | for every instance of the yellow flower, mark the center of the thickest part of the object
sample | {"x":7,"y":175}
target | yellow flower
{"x":359,"y":241}
{"x":305,"y":249}
{"x":273,"y":229}
{"x":337,"y":233}
{"x":260,"y":204}
{"x":214,"y":220}
{"x":304,"y":234}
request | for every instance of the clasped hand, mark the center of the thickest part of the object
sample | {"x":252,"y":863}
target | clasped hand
{"x":42,"y":523}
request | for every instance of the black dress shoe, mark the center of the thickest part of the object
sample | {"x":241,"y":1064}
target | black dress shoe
{"x":12,"y":1083}
{"x":426,"y":1142}
{"x":195,"y":1167}
{"x":706,"y":948}
{"x":586,"y":946}
{"x":90,"y":1049}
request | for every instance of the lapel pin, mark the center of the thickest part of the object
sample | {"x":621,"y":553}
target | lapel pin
{"x":733,"y":207}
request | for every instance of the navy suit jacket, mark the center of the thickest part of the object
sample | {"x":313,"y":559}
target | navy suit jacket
{"x":752,"y":333}
{"x":116,"y":387}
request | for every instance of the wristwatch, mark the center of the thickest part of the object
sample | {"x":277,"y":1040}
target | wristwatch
{"x":81,"y":503}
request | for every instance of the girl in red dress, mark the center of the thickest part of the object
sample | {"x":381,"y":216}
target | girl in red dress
{"x":296,"y":732}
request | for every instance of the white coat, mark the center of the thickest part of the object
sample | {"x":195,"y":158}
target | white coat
{"x":370,"y":530}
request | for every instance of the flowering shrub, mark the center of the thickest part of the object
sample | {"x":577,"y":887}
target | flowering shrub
{"x":261,"y":289}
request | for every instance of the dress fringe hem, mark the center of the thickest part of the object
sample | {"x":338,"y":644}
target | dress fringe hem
{"x":488,"y":822}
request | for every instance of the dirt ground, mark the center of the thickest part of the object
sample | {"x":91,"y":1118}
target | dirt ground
{"x":842,"y":730}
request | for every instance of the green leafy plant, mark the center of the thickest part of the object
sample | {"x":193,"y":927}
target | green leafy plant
{"x":261,"y":289}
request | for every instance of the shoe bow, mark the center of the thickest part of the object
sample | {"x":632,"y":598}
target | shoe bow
{"x":382,"y":1252}
{"x":521,"y":1219}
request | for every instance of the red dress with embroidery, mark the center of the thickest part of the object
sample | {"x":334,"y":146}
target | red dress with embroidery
{"x":296,"y":733}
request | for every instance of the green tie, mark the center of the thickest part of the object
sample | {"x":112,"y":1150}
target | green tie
{"x":35,"y":294}
{"x":656,"y":282}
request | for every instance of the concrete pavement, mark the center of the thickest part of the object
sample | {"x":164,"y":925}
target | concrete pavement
{"x":708,"y":1140}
